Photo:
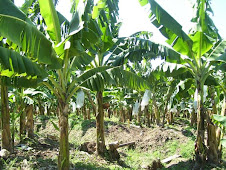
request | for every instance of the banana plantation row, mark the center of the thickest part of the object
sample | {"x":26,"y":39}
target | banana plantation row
{"x":41,"y":49}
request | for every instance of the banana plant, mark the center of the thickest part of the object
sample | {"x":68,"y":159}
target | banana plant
{"x":99,"y":40}
{"x":84,"y":47}
{"x":24,"y":51}
{"x":70,"y":50}
{"x":34,"y":44}
{"x":201,"y":51}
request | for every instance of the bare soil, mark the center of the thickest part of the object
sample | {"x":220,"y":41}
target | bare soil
{"x":41,"y":153}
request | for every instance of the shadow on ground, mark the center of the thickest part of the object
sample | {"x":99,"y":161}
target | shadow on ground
{"x":190,"y":164}
{"x":88,"y":166}
{"x":185,"y":165}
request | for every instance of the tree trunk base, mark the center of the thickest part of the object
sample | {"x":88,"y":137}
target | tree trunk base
{"x":212,"y":153}
{"x":200,"y":151}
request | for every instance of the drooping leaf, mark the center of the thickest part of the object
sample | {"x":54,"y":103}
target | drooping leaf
{"x":33,"y":92}
{"x":75,"y":24}
{"x":221,"y":67}
{"x":62,"y":19}
{"x":82,"y":61}
{"x":220,"y":119}
{"x":18,"y":64}
{"x":97,"y":78}
{"x":7,"y":7}
{"x":217,"y":50}
{"x":170,"y":28}
{"x":32,"y":42}
{"x":25,"y":82}
{"x":221,"y":58}
{"x":211,"y":81}
{"x":136,"y":49}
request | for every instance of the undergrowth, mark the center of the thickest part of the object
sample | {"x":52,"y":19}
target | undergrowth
{"x":84,"y":130}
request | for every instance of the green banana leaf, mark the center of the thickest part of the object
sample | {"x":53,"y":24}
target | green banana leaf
{"x":136,"y":48}
{"x":219,"y":119}
{"x":25,"y":82}
{"x":49,"y":14}
{"x":29,"y":39}
{"x":81,"y":61}
{"x":169,"y":27}
{"x":7,"y":7}
{"x":17,"y":64}
{"x":97,"y":78}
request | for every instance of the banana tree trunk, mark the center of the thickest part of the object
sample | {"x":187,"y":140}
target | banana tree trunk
{"x":219,"y":132}
{"x":0,"y":121}
{"x":88,"y":114}
{"x":77,"y":111}
{"x":212,"y":153}
{"x":63,"y":158}
{"x":152,"y":114}
{"x":30,"y":121}
{"x":139,"y":116}
{"x":214,"y":107}
{"x":147,"y":115}
{"x":92,"y":103}
{"x":109,"y":113}
{"x":122,"y":115}
{"x":6,"y":134}
{"x":101,"y":147}
{"x":214,"y":133}
{"x":41,"y":108}
{"x":84,"y":112}
{"x":164,"y":114}
{"x":170,"y":118}
{"x":200,"y":147}
{"x":48,"y":110}
{"x":193,"y":117}
{"x":169,"y":93}
{"x":22,"y":123}
{"x":156,"y":111}
{"x":129,"y":113}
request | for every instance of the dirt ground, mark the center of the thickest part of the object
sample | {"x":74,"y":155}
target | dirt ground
{"x":146,"y":139}
{"x":41,"y":153}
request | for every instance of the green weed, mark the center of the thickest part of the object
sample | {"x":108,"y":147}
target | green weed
{"x":187,"y":149}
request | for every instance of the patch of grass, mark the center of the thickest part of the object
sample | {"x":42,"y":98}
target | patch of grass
{"x":8,"y":163}
{"x":135,"y":159}
{"x":157,"y":154}
{"x":187,"y":149}
{"x":112,"y":119}
{"x":169,"y":149}
{"x":173,"y":147}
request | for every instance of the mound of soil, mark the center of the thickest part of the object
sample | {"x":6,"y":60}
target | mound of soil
{"x":89,"y":147}
{"x":145,"y":138}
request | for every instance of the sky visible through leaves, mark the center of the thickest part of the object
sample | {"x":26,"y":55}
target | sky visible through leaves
{"x":135,"y":18}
